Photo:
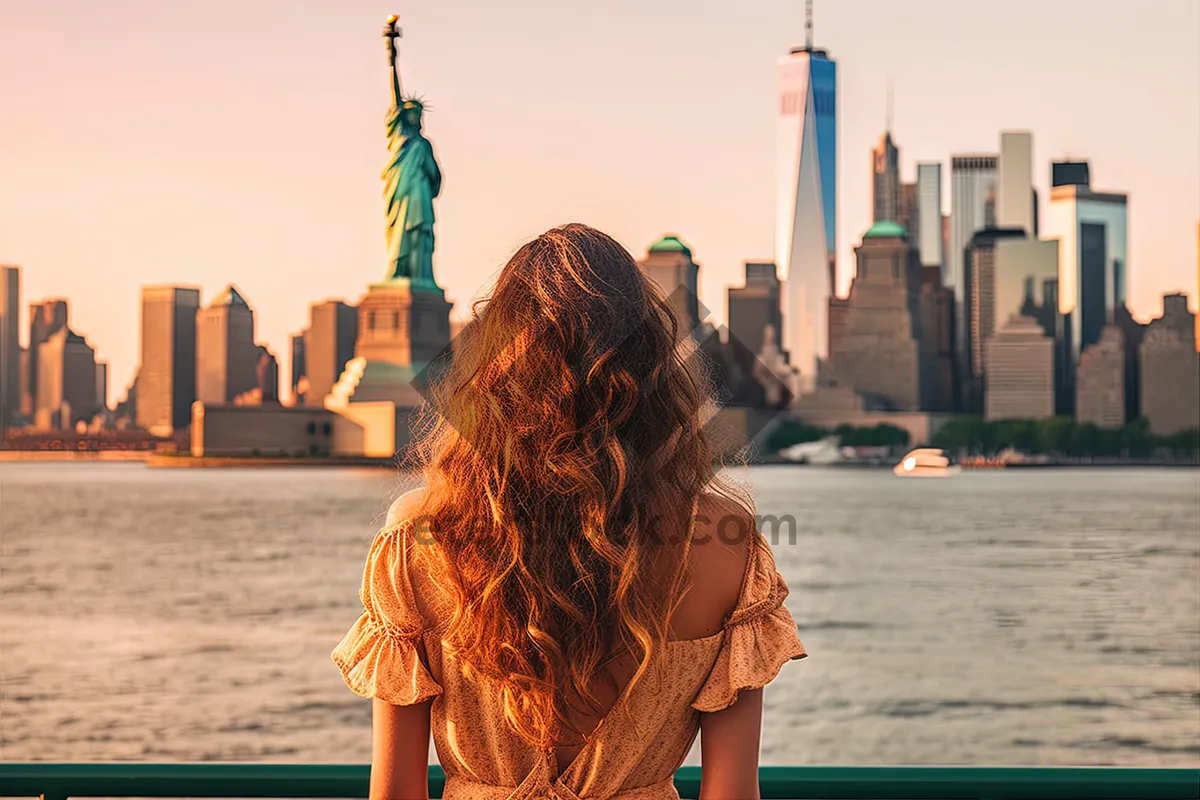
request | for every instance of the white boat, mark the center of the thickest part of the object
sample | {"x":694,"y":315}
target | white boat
{"x":925,"y":462}
{"x":822,"y":451}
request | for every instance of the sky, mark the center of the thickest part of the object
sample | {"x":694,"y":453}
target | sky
{"x":230,"y":141}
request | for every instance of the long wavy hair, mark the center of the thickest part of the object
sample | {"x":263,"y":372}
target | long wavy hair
{"x":564,"y":451}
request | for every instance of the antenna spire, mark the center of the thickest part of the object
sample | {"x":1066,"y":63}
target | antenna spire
{"x":889,"y":106}
{"x":808,"y":24}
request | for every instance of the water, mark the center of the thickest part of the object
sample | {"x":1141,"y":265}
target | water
{"x":1011,"y":617}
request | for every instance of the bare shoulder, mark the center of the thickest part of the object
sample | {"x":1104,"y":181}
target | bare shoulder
{"x":405,"y":507}
{"x":722,"y":538}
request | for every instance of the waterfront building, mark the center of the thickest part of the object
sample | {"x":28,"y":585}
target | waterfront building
{"x":930,"y":220}
{"x":66,"y":381}
{"x":1091,"y":229}
{"x":225,"y":352}
{"x":167,"y":376}
{"x":1014,"y":183}
{"x":909,"y":215}
{"x":669,"y":265}
{"x":885,"y":169}
{"x":1019,"y":382}
{"x":272,"y":430}
{"x":10,"y":345}
{"x":297,"y":366}
{"x":1132,"y":332}
{"x":936,"y":342}
{"x":755,"y":306}
{"x":1100,"y":381}
{"x":328,"y":346}
{"x":979,"y":312}
{"x":266,"y":373}
{"x":876,"y":352}
{"x":1069,"y":173}
{"x":45,"y":318}
{"x":806,"y":200}
{"x":1171,"y":369}
{"x":101,"y":386}
{"x":972,"y":189}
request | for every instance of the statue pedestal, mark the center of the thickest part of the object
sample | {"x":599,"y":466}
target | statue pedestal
{"x":402,"y":324}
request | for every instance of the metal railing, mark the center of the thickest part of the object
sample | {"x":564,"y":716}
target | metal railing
{"x":60,"y":781}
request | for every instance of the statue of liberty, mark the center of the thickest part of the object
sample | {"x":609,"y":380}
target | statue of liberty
{"x":411,"y":181}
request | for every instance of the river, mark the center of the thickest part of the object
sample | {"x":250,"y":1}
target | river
{"x":999,"y":617}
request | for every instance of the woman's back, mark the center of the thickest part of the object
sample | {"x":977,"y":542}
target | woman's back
{"x":730,"y":633}
{"x":568,"y":593}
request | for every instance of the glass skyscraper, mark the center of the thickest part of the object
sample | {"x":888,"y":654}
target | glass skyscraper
{"x":928,"y":235}
{"x":806,"y":202}
{"x":1093,"y":268}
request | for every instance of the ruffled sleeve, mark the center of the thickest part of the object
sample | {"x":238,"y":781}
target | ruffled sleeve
{"x":759,"y":637}
{"x":383,"y":654}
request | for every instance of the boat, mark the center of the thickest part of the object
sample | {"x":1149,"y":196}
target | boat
{"x":925,"y":462}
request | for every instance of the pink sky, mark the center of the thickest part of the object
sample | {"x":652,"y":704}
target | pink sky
{"x":208,"y":143}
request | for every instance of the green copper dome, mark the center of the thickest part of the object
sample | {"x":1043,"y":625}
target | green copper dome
{"x":886,"y":229}
{"x":671,"y":244}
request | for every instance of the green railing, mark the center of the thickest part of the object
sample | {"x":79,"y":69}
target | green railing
{"x":60,"y":781}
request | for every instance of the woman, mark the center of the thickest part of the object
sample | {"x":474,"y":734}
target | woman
{"x":570,"y":598}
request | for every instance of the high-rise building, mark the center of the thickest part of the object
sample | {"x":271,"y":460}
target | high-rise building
{"x":66,"y":381}
{"x":928,"y":231}
{"x":876,"y":351}
{"x":1100,"y":381}
{"x":972,"y":188}
{"x":1025,"y":269}
{"x":885,"y":169}
{"x":755,"y":307}
{"x":1092,"y":235}
{"x":936,"y":342}
{"x":972,"y":183}
{"x":1069,"y":173}
{"x":226,"y":356}
{"x":328,"y":345}
{"x":298,"y":368}
{"x":1014,"y":182}
{"x":45,"y":318}
{"x":980,"y":311}
{"x":1020,"y":375}
{"x":1132,"y":332}
{"x":669,"y":264}
{"x":10,"y":345}
{"x":909,"y":215}
{"x":167,"y":376}
{"x":266,"y":376}
{"x":101,"y":386}
{"x":1171,"y":369}
{"x":806,"y":201}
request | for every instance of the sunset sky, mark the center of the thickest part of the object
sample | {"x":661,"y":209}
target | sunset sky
{"x":242,"y":141}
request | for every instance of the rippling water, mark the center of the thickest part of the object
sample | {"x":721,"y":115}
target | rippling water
{"x":1013,"y":617}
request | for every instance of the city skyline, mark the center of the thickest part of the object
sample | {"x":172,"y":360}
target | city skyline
{"x":289,"y":210}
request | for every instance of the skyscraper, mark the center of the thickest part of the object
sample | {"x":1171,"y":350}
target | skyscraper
{"x":10,"y":345}
{"x":972,"y":187}
{"x":45,"y":318}
{"x":66,"y":381}
{"x":226,"y":356}
{"x":1100,"y":381}
{"x":908,"y":214}
{"x":754,"y":308}
{"x":929,"y":216}
{"x":1020,"y":374}
{"x":980,"y":313}
{"x":167,"y":377}
{"x":885,"y":168}
{"x":1171,"y":369}
{"x":1092,"y":234}
{"x":328,"y":345}
{"x":1014,"y":182}
{"x":298,"y":368}
{"x":806,"y":200}
{"x":876,"y":351}
{"x":669,"y":264}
